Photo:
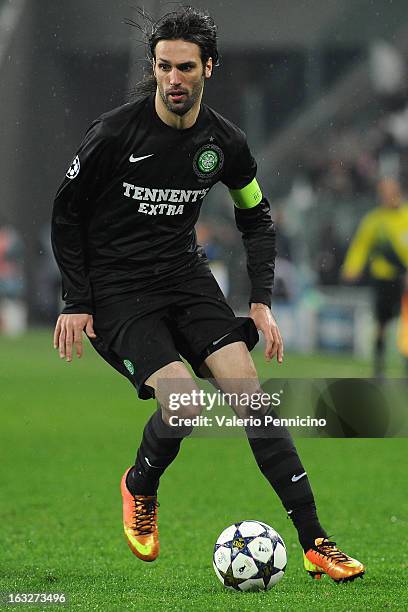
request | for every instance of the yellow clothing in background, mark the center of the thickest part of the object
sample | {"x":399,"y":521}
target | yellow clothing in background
{"x":382,"y":242}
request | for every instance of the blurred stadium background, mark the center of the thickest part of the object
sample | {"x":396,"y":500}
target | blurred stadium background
{"x":319,"y":87}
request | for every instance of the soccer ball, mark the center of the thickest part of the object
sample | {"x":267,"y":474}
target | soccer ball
{"x":249,"y":556}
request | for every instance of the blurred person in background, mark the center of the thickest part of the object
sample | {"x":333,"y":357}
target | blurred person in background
{"x":47,"y":279}
{"x":286,"y":285}
{"x":330,"y":255}
{"x":12,"y":308}
{"x":381,"y":243}
{"x":207,"y":239}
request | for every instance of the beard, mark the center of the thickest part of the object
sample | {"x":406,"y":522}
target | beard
{"x":182,"y":107}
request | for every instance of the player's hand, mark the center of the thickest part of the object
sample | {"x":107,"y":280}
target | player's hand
{"x":68,"y":333}
{"x":264,"y":321}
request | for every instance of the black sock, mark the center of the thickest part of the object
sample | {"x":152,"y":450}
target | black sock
{"x":159,"y":447}
{"x":277,"y":458}
{"x":307,"y":524}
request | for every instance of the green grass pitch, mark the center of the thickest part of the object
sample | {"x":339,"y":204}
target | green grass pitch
{"x":69,"y":431}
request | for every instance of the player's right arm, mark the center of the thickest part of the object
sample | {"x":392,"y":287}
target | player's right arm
{"x":73,"y":207}
{"x":68,"y":333}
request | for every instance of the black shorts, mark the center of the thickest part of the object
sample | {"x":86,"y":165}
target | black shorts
{"x":387,"y":297}
{"x":141,"y":334}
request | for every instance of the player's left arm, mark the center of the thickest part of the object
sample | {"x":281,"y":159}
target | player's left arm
{"x":253,"y":220}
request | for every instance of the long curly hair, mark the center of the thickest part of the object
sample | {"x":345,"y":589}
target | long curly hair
{"x":187,"y":23}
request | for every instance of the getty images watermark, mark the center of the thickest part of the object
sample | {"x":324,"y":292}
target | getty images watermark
{"x":257,"y":407}
{"x":315,"y":407}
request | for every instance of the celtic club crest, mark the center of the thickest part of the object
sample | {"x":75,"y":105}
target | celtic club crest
{"x":208,"y":161}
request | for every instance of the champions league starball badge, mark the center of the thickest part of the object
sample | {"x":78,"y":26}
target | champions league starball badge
{"x":208,"y":161}
{"x":74,"y":168}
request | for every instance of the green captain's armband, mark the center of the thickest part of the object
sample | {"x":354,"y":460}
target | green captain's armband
{"x":247,"y":197}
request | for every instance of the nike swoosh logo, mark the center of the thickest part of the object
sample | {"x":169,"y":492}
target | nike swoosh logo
{"x":143,"y":549}
{"x":219,"y":339}
{"x":296,"y":478}
{"x":150,"y":465}
{"x":136,"y":159}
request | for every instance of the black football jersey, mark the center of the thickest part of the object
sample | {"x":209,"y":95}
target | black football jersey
{"x":124,"y":216}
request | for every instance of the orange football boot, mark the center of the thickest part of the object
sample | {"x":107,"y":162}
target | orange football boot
{"x":325,"y":558}
{"x":140,"y":522}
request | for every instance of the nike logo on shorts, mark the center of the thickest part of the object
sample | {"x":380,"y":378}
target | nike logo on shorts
{"x":136,"y":159}
{"x":296,"y":478}
{"x":219,"y":339}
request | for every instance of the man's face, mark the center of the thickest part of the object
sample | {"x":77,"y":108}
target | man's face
{"x":180,"y":74}
{"x":389,"y":193}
